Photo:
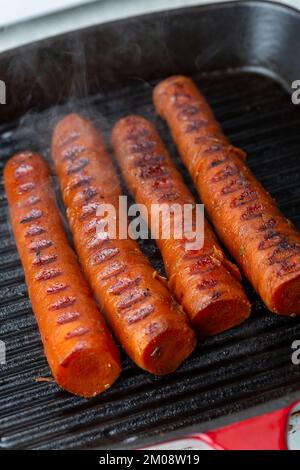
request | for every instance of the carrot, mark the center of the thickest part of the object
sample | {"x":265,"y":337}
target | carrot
{"x":78,"y":345}
{"x":203,"y":280}
{"x":143,"y":315}
{"x":264,"y":243}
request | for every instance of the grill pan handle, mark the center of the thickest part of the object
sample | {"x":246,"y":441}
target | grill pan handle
{"x":263,"y":432}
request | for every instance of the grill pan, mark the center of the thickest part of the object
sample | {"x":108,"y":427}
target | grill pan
{"x":244,"y":57}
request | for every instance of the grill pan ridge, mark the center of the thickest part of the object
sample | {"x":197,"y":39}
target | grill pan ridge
{"x":228,"y":375}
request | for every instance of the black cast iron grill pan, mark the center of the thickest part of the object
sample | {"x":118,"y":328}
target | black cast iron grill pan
{"x":244,"y":69}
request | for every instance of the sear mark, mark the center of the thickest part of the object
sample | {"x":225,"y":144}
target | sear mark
{"x":203,"y":265}
{"x":252,"y":212}
{"x":67,"y":317}
{"x":133,"y":298}
{"x":152,"y":171}
{"x":80,"y":331}
{"x":48,"y":274}
{"x":140,"y":314}
{"x":26,"y":187}
{"x":97,"y":242}
{"x":63,"y":302}
{"x":32,"y":200}
{"x":45,"y":259}
{"x":40,"y":245}
{"x":32,"y":215}
{"x":124,"y":284}
{"x":73,"y":152}
{"x":105,"y":255}
{"x":79,"y":165}
{"x":34,"y":230}
{"x":57,"y":288}
{"x":79,"y":182}
{"x":113,"y":270}
{"x":228,"y":171}
{"x":196,"y":125}
{"x":69,"y":139}
{"x":88,"y":209}
{"x":88,"y":193}
{"x":207,"y":284}
{"x":23,"y":169}
{"x":143,"y":146}
{"x":246,"y":197}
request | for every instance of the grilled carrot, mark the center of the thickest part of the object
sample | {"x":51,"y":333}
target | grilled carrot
{"x":143,"y":315}
{"x":78,"y":345}
{"x":264,"y":243}
{"x":203,"y":280}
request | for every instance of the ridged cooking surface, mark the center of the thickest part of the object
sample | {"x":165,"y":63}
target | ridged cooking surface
{"x":233,"y":371}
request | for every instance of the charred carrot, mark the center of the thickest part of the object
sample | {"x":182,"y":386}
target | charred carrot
{"x":78,"y":345}
{"x":264,"y":243}
{"x":142,"y":313}
{"x":203,"y":280}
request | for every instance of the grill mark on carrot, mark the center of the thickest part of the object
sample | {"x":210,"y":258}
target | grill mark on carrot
{"x":69,"y":139}
{"x":104,"y":255}
{"x":63,"y":302}
{"x":23,"y":169}
{"x":140,"y":314}
{"x":34,"y":230}
{"x":171,"y":196}
{"x":32,"y":200}
{"x":284,"y":251}
{"x":216,"y":295}
{"x":88,"y":193}
{"x":79,"y":182}
{"x":72,"y":153}
{"x":148,"y":159}
{"x":133,"y":298}
{"x":67,"y":317}
{"x":134,"y":134}
{"x":143,"y":146}
{"x":203,"y":265}
{"x":40,"y":245}
{"x":48,"y":274}
{"x":80,"y":331}
{"x":59,"y":287}
{"x":229,"y":170}
{"x":113,"y":270}
{"x":79,"y":346}
{"x":79,"y":165}
{"x":45,"y":259}
{"x":88,"y":209}
{"x":123,"y":284}
{"x":235,"y":185}
{"x":269,"y":224}
{"x":287,"y":268}
{"x":252,"y":212}
{"x":97,"y":242}
{"x":187,"y":111}
{"x":245,"y":197}
{"x":91,"y":225}
{"x":194,"y":126}
{"x":35,"y":214}
{"x":26,"y":187}
{"x":207,"y":284}
{"x":152,"y":171}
